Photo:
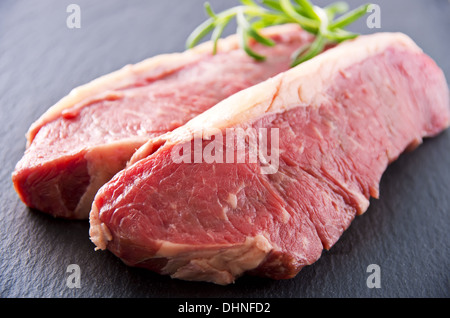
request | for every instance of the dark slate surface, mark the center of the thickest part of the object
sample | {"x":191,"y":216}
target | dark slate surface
{"x":406,"y":232}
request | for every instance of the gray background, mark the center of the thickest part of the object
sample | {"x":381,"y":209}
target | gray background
{"x":406,"y":232}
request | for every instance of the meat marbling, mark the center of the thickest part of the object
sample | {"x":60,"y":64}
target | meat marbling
{"x":88,"y":136}
{"x":342,"y":118}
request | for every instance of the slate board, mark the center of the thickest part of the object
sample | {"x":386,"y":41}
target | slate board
{"x":405,"y":232}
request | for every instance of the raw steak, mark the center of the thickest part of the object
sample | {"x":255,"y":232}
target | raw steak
{"x":83,"y":140}
{"x":342,"y":117}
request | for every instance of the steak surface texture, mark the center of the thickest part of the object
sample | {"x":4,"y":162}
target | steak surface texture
{"x":89,"y":135}
{"x":342,"y":117}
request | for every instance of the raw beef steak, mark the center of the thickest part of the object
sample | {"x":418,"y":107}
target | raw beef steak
{"x":341,"y":118}
{"x":87,"y":137}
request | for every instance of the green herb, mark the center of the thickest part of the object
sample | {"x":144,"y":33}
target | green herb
{"x":251,"y":16}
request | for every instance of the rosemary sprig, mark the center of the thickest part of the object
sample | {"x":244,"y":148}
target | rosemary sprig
{"x":251,"y":16}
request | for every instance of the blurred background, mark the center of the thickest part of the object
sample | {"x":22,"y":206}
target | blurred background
{"x":41,"y":60}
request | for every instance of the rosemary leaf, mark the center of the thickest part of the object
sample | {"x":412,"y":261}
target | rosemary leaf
{"x":209,"y":10}
{"x":316,"y":47}
{"x":349,"y":17}
{"x":336,"y":8}
{"x":304,"y":22}
{"x":200,"y":32}
{"x":245,"y":32}
{"x":308,"y":9}
{"x":272,"y":4}
{"x":252,"y":15}
{"x":218,"y":31}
